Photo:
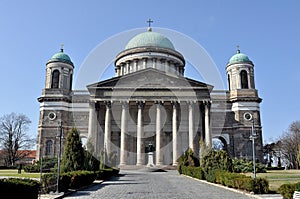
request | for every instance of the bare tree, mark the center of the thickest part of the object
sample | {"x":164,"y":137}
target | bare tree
{"x":289,"y":143}
{"x":13,"y":137}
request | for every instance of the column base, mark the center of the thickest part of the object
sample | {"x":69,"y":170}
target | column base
{"x":175,"y":164}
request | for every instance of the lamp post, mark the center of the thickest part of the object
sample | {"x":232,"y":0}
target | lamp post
{"x":253,"y":136}
{"x":59,"y":154}
{"x":41,"y":162}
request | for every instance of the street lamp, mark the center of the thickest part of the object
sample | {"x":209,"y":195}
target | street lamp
{"x":60,"y":134}
{"x":248,"y":116}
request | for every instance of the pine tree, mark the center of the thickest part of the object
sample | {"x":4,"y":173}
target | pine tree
{"x":73,"y":157}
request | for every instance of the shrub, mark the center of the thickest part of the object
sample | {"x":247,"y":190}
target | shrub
{"x":297,"y":186}
{"x":195,"y":172}
{"x":188,"y":158}
{"x":106,"y":173}
{"x":216,"y":160}
{"x":47,"y":163}
{"x":68,"y":180}
{"x":245,"y":166}
{"x":19,"y":188}
{"x":287,"y":191}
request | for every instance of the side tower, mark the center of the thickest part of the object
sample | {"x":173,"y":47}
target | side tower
{"x":244,"y":99}
{"x":54,"y":103}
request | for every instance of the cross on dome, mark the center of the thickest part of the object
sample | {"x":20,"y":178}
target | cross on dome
{"x":149,"y":21}
{"x":61,"y":47}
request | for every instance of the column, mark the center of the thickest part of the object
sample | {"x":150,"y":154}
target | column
{"x":144,"y":63}
{"x":207,"y":124}
{"x":139,"y":134}
{"x":124,"y":129}
{"x":92,"y":126}
{"x":159,"y":160}
{"x":107,"y":128}
{"x":174,"y":133}
{"x":191,"y":126}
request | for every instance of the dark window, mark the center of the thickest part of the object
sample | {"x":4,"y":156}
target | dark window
{"x":244,"y":79}
{"x":49,"y":146}
{"x":55,"y":79}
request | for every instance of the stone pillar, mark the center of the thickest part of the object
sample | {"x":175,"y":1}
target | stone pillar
{"x":139,"y":134}
{"x":154,"y":63}
{"x":127,"y":67}
{"x":92,"y":133}
{"x":124,"y":129}
{"x":159,"y":160}
{"x":144,"y":63}
{"x":191,"y":126}
{"x":174,"y":133}
{"x":135,"y":66}
{"x":107,"y":128}
{"x":207,"y":124}
{"x":121,"y":69}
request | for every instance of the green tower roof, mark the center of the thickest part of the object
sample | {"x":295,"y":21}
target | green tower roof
{"x":238,"y":58}
{"x":150,"y":38}
{"x":61,"y":57}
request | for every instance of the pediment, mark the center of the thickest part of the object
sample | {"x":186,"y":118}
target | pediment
{"x":149,"y":79}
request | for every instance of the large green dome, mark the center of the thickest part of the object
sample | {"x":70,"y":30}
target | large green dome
{"x":238,"y":58}
{"x":150,"y":39}
{"x":61,"y":57}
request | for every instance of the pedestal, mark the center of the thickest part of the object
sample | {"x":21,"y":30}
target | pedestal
{"x":150,"y":160}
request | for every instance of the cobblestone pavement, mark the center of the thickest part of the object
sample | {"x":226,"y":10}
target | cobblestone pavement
{"x":135,"y":184}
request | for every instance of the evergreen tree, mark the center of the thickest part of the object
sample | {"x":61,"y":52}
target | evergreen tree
{"x":73,"y":157}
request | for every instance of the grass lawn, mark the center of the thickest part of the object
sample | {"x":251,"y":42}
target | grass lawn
{"x":14,"y":173}
{"x":279,"y":177}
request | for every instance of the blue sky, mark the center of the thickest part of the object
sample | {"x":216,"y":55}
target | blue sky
{"x":267,"y":31}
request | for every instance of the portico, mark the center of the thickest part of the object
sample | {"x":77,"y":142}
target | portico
{"x":171,"y":115}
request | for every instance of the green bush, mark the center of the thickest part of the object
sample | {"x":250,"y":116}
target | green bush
{"x":47,"y":163}
{"x":245,"y":166}
{"x":106,"y":173}
{"x":287,"y":190}
{"x":68,"y":180}
{"x":188,"y":158}
{"x":49,"y":181}
{"x":297,"y":186}
{"x":216,"y":160}
{"x":19,"y":188}
{"x":195,"y":172}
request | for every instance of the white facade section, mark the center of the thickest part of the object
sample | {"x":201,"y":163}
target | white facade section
{"x":65,"y":106}
{"x":245,"y":106}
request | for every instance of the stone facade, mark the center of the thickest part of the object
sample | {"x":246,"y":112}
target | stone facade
{"x":150,"y":102}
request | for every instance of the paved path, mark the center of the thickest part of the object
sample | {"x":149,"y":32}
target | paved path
{"x":137,"y":184}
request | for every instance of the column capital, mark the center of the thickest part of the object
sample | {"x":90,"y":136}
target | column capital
{"x":124,"y":104}
{"x":158,"y":102}
{"x":140,"y":104}
{"x":107,"y":104}
{"x":175,"y":104}
{"x":206,"y":102}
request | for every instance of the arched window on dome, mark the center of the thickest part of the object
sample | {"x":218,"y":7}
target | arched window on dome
{"x":244,"y":79}
{"x":55,"y":79}
{"x":49,"y":147}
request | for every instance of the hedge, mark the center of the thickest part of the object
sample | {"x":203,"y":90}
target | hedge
{"x":226,"y":178}
{"x":287,"y":190}
{"x":19,"y":188}
{"x":75,"y":179}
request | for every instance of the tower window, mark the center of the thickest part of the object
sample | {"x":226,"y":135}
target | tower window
{"x":49,"y":146}
{"x":55,"y":79}
{"x":244,"y":79}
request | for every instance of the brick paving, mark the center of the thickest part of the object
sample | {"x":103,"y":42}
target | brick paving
{"x":141,"y":184}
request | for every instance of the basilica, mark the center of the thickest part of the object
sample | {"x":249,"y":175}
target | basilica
{"x":150,"y":102}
